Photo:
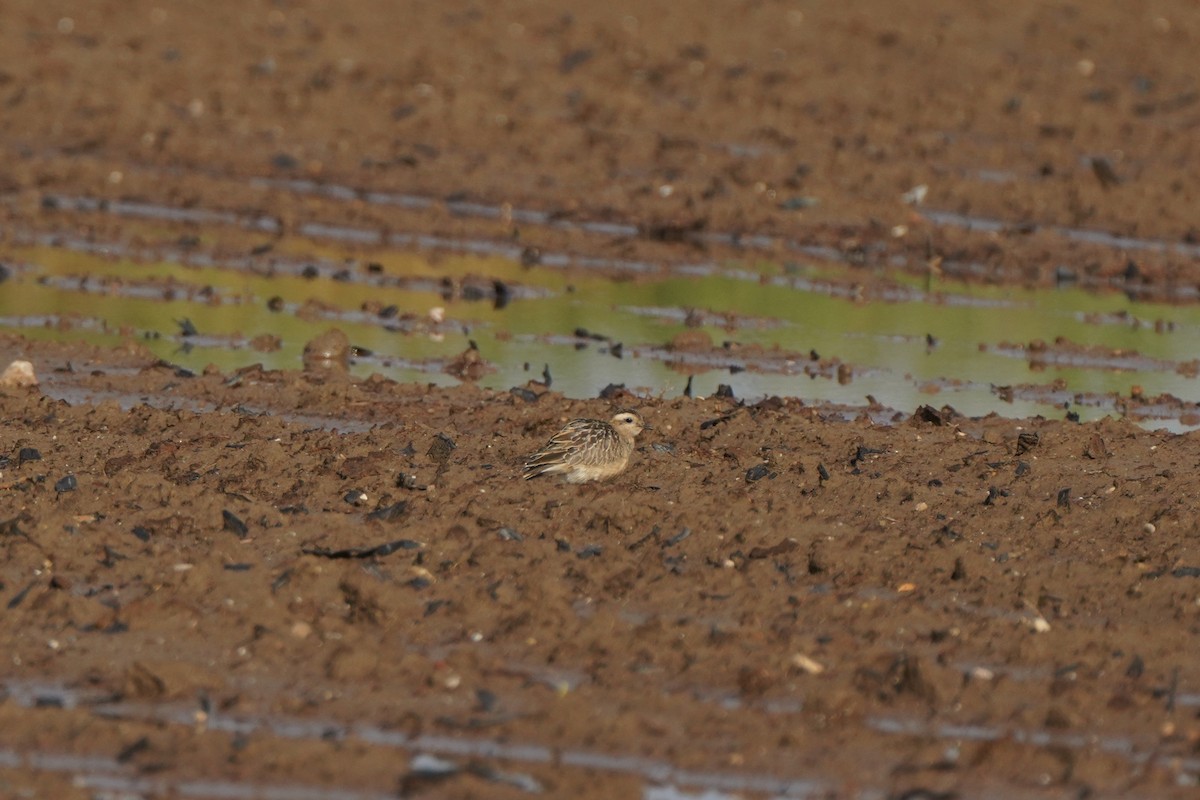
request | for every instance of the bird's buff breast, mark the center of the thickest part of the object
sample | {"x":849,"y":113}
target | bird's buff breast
{"x":582,"y":473}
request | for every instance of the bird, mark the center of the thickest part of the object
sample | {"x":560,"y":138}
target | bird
{"x":588,"y":449}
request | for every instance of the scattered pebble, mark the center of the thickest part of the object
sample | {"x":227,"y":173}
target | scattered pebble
{"x":807,"y":664}
{"x":19,"y":374}
{"x":233,"y":523}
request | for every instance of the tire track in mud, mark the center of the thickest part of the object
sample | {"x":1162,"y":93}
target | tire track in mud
{"x":454,"y":752}
{"x":857,"y":250}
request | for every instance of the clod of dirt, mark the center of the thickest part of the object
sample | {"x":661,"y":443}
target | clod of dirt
{"x":691,"y":341}
{"x":329,"y":351}
{"x":469,"y":365}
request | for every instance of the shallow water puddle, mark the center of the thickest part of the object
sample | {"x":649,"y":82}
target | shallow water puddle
{"x":795,"y":329}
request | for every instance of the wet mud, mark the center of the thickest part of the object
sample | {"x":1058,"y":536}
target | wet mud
{"x":241,"y":581}
{"x":339,"y":578}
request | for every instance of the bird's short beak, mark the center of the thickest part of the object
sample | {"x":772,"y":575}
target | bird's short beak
{"x":647,"y":427}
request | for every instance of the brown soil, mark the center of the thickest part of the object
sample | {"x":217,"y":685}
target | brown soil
{"x":296,"y":579}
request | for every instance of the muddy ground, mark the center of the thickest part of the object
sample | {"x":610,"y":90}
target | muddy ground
{"x":262,"y":580}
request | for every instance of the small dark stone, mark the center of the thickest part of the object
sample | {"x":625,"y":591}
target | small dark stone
{"x":111,"y":557}
{"x":486,"y":699}
{"x":546,"y":379}
{"x":562,"y":545}
{"x":510,"y":535}
{"x":310,"y":271}
{"x":861,"y":454}
{"x":528,"y":395}
{"x":471,"y":292}
{"x":355,"y":497}
{"x":1064,"y":275}
{"x":501,"y":293}
{"x":1026,"y":441}
{"x":679,"y":537}
{"x":575,"y":58}
{"x":387,"y":312}
{"x":1102,"y":168}
{"x":959,"y":572}
{"x":141,"y":533}
{"x":234,"y":524}
{"x":929,"y":414}
{"x":1022,"y":468}
{"x":66,"y":484}
{"x":1064,"y":498}
{"x":389,"y":513}
{"x":617,"y":350}
{"x":238,"y":567}
{"x":708,"y":423}
{"x":407,"y":480}
{"x":784,"y":547}
{"x":1136,"y":667}
{"x":824,"y":473}
{"x":130,"y":750}
{"x":687,"y":390}
{"x":281,"y":580}
{"x":284,"y":161}
{"x":1185,"y":572}
{"x":653,"y":534}
{"x":724,"y":390}
{"x":611,"y":391}
{"x":186,"y":327}
{"x":946,"y":532}
{"x":590,"y":551}
{"x":19,"y":597}
{"x":757,"y":473}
